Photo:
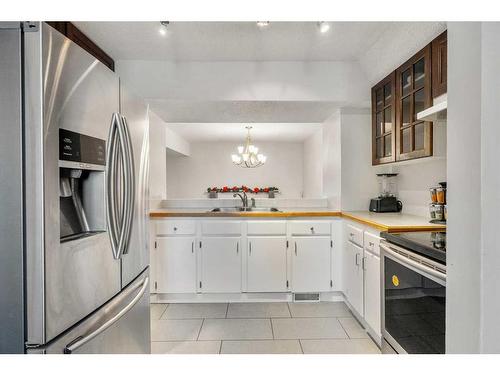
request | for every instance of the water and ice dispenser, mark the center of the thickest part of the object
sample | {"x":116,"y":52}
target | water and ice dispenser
{"x":82,"y":161}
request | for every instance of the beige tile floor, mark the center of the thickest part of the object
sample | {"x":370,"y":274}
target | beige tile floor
{"x":257,"y":328}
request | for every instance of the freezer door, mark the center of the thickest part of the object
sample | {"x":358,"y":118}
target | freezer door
{"x":66,"y":88}
{"x":11,"y":192}
{"x":122,"y":326}
{"x":135,"y":114}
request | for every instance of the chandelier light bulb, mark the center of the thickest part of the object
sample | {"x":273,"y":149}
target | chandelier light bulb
{"x":323,"y":26}
{"x":248,"y":156}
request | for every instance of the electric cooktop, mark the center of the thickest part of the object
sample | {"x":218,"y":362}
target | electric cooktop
{"x":428,"y":244}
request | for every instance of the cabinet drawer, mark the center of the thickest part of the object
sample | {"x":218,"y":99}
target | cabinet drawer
{"x":310,"y":228}
{"x":172,"y":227}
{"x":221,"y":227}
{"x":355,"y":235}
{"x":267,"y":227}
{"x":372,"y":243}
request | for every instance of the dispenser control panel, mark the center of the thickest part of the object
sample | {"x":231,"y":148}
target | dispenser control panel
{"x":81,"y":148}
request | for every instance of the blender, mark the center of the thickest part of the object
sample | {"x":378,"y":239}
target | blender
{"x":386,"y":201}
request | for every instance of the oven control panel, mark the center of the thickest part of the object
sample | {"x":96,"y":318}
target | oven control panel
{"x":81,"y":148}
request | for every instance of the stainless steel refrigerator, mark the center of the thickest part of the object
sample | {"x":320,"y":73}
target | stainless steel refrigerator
{"x":74,"y":162}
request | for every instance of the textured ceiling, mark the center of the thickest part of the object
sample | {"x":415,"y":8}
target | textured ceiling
{"x":234,"y":41}
{"x":242,"y":111}
{"x":276,"y":132}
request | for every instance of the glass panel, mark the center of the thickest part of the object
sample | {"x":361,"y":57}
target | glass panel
{"x":379,"y":99}
{"x":387,"y":119}
{"x":387,"y":145}
{"x":419,"y":69}
{"x":406,"y":110}
{"x":379,"y":124}
{"x":387,"y":94}
{"x":406,"y":82}
{"x":419,"y":103}
{"x":379,"y":148}
{"x":405,"y":135}
{"x":419,"y":136}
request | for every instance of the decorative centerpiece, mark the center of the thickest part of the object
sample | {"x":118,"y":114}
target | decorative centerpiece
{"x":270,"y":191}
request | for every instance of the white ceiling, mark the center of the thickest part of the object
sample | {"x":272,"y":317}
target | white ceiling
{"x":234,"y":41}
{"x":236,"y":132}
{"x":242,"y":111}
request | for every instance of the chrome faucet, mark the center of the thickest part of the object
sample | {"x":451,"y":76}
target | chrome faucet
{"x":244,"y":199}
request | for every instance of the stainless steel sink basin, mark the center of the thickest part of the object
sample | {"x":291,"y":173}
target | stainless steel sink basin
{"x":241,"y":209}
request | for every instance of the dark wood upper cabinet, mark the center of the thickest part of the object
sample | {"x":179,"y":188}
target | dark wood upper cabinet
{"x":383,"y":121}
{"x":439,"y":64}
{"x":72,"y":32}
{"x":397,"y":134}
{"x":413,"y":95}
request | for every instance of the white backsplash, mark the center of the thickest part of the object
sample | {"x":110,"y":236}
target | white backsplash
{"x":232,"y":202}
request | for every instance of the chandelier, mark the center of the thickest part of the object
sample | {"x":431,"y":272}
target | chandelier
{"x":248,"y":155}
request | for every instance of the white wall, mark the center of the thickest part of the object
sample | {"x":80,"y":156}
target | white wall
{"x":473,"y":256}
{"x":332,"y":160}
{"x":157,"y":158}
{"x":342,"y":82}
{"x":210,"y":165}
{"x":313,"y":165}
{"x":176,"y":143}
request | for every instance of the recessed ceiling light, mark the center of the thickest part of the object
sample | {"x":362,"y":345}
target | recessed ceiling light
{"x":323,"y":26}
{"x":262,"y":23}
{"x":163,"y":28}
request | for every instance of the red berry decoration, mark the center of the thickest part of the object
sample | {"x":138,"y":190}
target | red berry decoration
{"x":236,"y":188}
{"x":266,"y":190}
{"x":225,"y":189}
{"x":256,"y":190}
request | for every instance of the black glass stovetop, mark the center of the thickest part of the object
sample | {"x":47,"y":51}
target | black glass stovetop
{"x":428,"y":244}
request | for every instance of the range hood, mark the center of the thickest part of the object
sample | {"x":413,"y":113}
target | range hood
{"x":438,"y":112}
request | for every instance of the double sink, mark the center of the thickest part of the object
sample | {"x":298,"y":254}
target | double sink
{"x":244,"y":209}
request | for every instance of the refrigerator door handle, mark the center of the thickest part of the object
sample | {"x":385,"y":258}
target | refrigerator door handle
{"x":82,"y":340}
{"x":111,"y":193}
{"x":130,"y":181}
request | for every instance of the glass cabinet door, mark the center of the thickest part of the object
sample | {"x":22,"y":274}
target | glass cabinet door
{"x":413,"y":136}
{"x":383,"y":120}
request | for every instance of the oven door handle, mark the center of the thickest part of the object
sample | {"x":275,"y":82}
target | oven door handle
{"x":413,"y":263}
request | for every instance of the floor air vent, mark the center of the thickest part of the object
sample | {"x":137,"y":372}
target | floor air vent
{"x":306,"y":297}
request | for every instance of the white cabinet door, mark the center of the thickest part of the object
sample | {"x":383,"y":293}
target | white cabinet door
{"x":266,"y":264}
{"x":221,"y":265}
{"x":176,"y":265}
{"x":372,"y":291}
{"x":311,"y":264}
{"x":354,"y":276}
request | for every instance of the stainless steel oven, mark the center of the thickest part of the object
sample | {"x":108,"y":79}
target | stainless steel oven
{"x":413,"y":301}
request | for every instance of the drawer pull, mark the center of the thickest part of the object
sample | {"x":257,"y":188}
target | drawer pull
{"x":175,"y":229}
{"x":371,"y":244}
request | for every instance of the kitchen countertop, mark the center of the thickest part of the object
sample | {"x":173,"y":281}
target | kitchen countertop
{"x":205,"y":212}
{"x":391,"y":221}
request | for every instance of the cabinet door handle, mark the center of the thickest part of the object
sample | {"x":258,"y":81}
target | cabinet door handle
{"x":192,"y":247}
{"x":249,"y":248}
{"x":237,"y":247}
{"x":295,"y":248}
{"x":363,"y":263}
{"x":371,"y":244}
{"x":357,"y":259}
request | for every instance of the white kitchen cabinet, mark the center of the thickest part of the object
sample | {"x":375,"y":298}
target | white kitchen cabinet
{"x":266,"y":264}
{"x":220,"y":265}
{"x":372,"y":291}
{"x":311,"y":264}
{"x":175,"y":265}
{"x":353,"y":276}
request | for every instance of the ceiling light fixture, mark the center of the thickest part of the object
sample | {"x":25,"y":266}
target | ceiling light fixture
{"x":163,"y":27}
{"x":262,"y":24}
{"x":323,"y":26}
{"x":248,"y":156}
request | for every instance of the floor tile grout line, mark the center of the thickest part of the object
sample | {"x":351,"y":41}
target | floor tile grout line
{"x":227,"y":309}
{"x":199,"y":332}
{"x":300,"y":344}
{"x":343,"y":328}
{"x":272,"y":328}
{"x":163,"y":313}
{"x":289,"y":310}
{"x":220,"y":347}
